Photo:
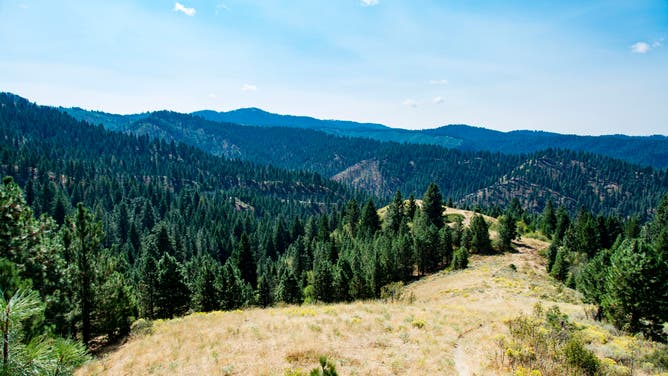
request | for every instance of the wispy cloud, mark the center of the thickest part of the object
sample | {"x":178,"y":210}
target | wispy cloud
{"x":640,"y":47}
{"x":645,"y":47}
{"x":438,"y":82}
{"x":409,"y":103}
{"x":248,"y":87}
{"x":438,"y":100}
{"x":369,"y":3}
{"x":178,"y":7}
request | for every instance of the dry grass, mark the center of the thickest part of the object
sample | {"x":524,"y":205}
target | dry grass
{"x":448,"y":324}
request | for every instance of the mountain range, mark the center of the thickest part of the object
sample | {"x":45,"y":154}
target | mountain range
{"x":641,"y":150}
{"x":469,"y":177}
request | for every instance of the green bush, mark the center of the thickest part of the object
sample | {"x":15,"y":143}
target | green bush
{"x":580,"y":357}
{"x":460,"y":260}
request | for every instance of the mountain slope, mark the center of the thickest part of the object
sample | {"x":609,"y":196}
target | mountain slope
{"x":260,"y":118}
{"x":645,"y":151}
{"x":571,"y":178}
{"x":41,"y":143}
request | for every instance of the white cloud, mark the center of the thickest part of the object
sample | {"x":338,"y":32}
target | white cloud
{"x":438,"y":82}
{"x":248,"y":87}
{"x":657,"y":43}
{"x":213,"y":95}
{"x":409,"y":103}
{"x":369,"y":3}
{"x":640,"y":47}
{"x":438,"y":100}
{"x":178,"y":7}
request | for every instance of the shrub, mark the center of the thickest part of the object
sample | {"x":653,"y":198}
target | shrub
{"x":580,"y":357}
{"x":392,"y":291}
{"x":327,"y":368}
{"x":141,"y":327}
{"x":460,"y":260}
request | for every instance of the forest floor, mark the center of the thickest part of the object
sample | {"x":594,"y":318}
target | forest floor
{"x":448,"y":323}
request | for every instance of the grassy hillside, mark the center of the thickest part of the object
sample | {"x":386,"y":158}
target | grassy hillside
{"x":448,"y":323}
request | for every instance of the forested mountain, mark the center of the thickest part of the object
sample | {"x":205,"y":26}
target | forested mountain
{"x":644,"y":151}
{"x":469,"y":178}
{"x":260,"y":118}
{"x":105,"y":227}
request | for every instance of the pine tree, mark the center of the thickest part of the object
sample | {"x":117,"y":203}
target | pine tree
{"x":245,"y":260}
{"x":432,"y":205}
{"x":395,"y":214}
{"x":561,"y":265}
{"x":460,"y":259}
{"x":288,"y":290}
{"x":636,"y":282}
{"x":480,"y":242}
{"x":548,"y":220}
{"x":563,"y":222}
{"x":369,"y":220}
{"x":507,"y":232}
{"x":171,"y":294}
{"x":352,"y":216}
{"x":82,"y":238}
{"x":411,"y":208}
{"x":206,"y":287}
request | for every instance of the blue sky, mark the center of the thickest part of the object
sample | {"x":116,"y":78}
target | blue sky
{"x":584,"y":67}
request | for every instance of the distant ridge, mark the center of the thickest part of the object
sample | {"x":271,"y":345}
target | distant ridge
{"x":645,"y":151}
{"x":642,"y":150}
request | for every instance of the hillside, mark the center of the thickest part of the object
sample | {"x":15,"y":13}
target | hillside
{"x":644,"y":151}
{"x":448,"y":323}
{"x":260,"y":118}
{"x":607,"y":185}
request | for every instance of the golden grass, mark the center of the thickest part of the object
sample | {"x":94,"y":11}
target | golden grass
{"x":449,"y":327}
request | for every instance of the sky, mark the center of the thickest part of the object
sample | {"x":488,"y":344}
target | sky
{"x":579,"y":67}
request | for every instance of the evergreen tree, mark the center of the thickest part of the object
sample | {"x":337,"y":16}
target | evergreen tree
{"x":637,"y":297}
{"x":432,"y":205}
{"x":563,"y":222}
{"x":352,"y":216}
{"x":460,"y":259}
{"x":507,"y":232}
{"x":245,"y":260}
{"x":206,"y":286}
{"x":548,"y":220}
{"x":288,"y":290}
{"x":561,"y":265}
{"x":411,"y":208}
{"x":395,"y":214}
{"x":446,"y":244}
{"x":82,"y":238}
{"x":323,"y":279}
{"x":426,"y":244}
{"x":480,"y":242}
{"x":171,"y":295}
{"x":369,"y":220}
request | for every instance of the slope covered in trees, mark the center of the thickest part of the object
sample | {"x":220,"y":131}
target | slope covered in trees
{"x":575,"y":179}
{"x":641,"y":150}
{"x":644,"y":151}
